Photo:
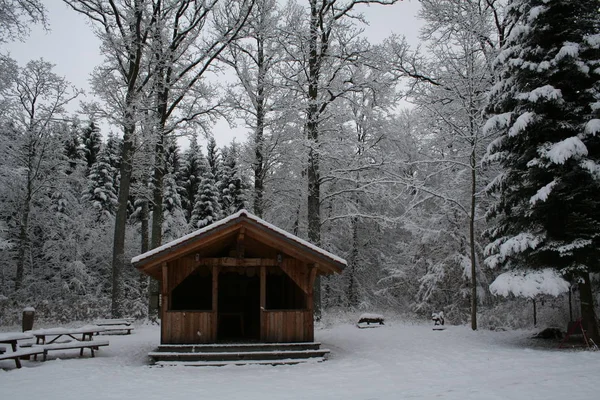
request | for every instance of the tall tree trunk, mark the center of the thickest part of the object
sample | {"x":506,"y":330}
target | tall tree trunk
{"x":352,"y":289}
{"x":118,"y":261}
{"x":24,"y":225}
{"x":259,"y":173}
{"x":588,"y":314}
{"x":157,"y":193}
{"x":145,"y":239}
{"x":157,"y":219}
{"x":158,"y":181}
{"x":312,"y":131}
{"x":473,"y":161}
{"x":145,"y":246}
{"x":23,"y":244}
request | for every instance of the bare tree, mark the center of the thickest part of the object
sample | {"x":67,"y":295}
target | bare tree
{"x":36,"y":102}
{"x":124,"y":27}
{"x":16,"y":15}
{"x":259,"y":98}
{"x":450,"y":86}
{"x":188,"y":39}
{"x":323,"y":49}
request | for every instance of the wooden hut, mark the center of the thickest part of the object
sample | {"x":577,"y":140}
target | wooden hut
{"x":240,"y":279}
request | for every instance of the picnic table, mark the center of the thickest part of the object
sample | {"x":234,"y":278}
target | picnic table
{"x":17,"y":352}
{"x":85,"y":341}
{"x":86,"y":333}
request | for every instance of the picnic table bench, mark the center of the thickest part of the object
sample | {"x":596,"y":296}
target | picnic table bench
{"x":17,"y":352}
{"x":48,"y":339}
{"x":115,"y":325}
{"x":81,"y":345}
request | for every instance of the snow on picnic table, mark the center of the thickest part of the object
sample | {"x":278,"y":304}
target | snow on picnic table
{"x":398,"y":361}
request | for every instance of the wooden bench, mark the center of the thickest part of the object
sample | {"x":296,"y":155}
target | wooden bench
{"x":16,"y":355}
{"x":81,"y":345}
{"x":115,"y":325}
{"x":368,"y":319}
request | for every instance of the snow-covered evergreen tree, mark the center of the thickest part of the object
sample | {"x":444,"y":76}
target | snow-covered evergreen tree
{"x":207,"y":209}
{"x":213,"y":159}
{"x":73,"y":148}
{"x":547,"y":109}
{"x":112,"y":149}
{"x":101,"y":190}
{"x":190,"y":176}
{"x":174,"y":224}
{"x":91,"y":142}
{"x":232,"y":187}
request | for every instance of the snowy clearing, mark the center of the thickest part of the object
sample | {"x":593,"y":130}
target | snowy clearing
{"x":398,"y":361}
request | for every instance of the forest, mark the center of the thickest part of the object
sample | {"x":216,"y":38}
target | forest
{"x":461,"y":175}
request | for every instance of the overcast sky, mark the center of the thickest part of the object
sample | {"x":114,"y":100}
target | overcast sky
{"x":72,"y":47}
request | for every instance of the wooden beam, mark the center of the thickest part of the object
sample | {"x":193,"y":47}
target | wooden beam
{"x":296,"y":271}
{"x":240,"y":243}
{"x":186,"y":247}
{"x":237,"y":262}
{"x":165,"y":279}
{"x":292,"y":248}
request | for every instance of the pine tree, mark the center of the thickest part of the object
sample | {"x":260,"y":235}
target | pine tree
{"x":113,"y":157}
{"x":232,"y":188}
{"x":91,"y":142}
{"x":547,"y":109}
{"x":190,"y":176}
{"x":174,"y":223}
{"x":73,"y":148}
{"x":101,"y":190}
{"x":212,"y":157}
{"x":207,"y":209}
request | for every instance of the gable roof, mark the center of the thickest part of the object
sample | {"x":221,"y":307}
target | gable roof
{"x":171,"y":250}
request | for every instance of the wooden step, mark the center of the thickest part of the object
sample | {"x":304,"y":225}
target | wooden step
{"x":237,"y":355}
{"x":236,"y":347}
{"x":289,"y":361}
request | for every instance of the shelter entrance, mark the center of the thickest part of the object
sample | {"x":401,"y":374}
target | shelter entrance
{"x":238,"y":313}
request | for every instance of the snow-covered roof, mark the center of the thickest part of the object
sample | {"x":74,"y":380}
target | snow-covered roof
{"x":529,"y":283}
{"x":225,"y":221}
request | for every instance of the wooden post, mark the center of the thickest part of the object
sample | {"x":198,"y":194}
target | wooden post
{"x":534,"y":313}
{"x":215,"y":301}
{"x":164,"y":305}
{"x":263,"y":301}
{"x":310,"y":329}
{"x":164,"y":288}
{"x":312,"y":276}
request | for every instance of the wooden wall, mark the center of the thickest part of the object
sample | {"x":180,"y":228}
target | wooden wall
{"x":188,"y":327}
{"x":286,"y":326}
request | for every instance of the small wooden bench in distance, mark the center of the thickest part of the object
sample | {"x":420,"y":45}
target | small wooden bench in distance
{"x":115,"y":325}
{"x":365,"y":320}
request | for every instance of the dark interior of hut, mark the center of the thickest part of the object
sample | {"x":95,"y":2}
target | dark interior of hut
{"x":239,"y":306}
{"x":238,"y":299}
{"x":283,"y":293}
{"x":194,"y":293}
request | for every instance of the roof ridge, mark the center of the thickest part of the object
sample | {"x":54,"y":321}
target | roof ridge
{"x":241,"y":213}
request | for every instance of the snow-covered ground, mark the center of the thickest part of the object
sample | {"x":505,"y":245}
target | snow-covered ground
{"x":398,"y":361}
